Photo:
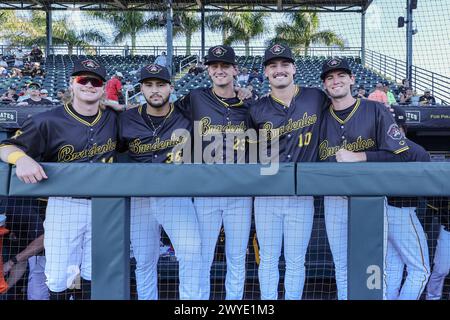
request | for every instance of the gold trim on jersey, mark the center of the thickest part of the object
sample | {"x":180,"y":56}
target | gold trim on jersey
{"x":297,"y":90}
{"x":205,"y":127}
{"x":359,"y":145}
{"x":358,"y":102}
{"x":240,"y":103}
{"x":171,"y":106}
{"x":73,"y":115}
{"x":67,"y":152}
{"x":136,"y":146}
{"x":401,"y":150}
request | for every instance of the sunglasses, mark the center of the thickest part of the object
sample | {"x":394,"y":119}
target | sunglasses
{"x":84,"y":80}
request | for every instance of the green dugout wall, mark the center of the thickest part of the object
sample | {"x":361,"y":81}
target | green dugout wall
{"x":111,"y":185}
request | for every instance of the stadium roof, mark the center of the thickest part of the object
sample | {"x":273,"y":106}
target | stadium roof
{"x":209,"y":5}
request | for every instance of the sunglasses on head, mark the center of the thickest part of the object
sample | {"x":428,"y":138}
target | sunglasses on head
{"x":84,"y":80}
{"x":33,"y":88}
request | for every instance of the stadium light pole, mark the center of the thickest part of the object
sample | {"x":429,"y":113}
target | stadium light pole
{"x":169,"y":25}
{"x":48,"y":31}
{"x":411,"y":4}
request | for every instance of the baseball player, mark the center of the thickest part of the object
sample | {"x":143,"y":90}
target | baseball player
{"x":149,"y":133}
{"x":291,"y":114}
{"x":78,"y":132}
{"x":407,"y":243}
{"x":355,"y":130}
{"x":218,"y":114}
{"x":441,"y":261}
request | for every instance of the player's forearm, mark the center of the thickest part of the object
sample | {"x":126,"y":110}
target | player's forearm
{"x":35,"y":247}
{"x":7,"y":150}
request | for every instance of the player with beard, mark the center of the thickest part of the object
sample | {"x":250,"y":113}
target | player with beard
{"x":149,"y":133}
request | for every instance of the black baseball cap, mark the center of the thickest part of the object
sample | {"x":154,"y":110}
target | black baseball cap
{"x":278,"y":51}
{"x":154,"y":71}
{"x":221,"y":53}
{"x":88,"y":66}
{"x":332,"y":64}
{"x":399,"y":115}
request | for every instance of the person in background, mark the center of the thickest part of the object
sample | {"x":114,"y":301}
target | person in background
{"x":427,"y":99}
{"x":10,"y":95}
{"x":361,"y":93}
{"x":35,"y":99}
{"x":162,"y":59}
{"x":379,"y":95}
{"x":406,"y":97}
{"x":389,"y":94}
{"x":114,"y":88}
{"x":255,"y":75}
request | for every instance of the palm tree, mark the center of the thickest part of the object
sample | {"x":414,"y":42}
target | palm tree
{"x":31,"y":30}
{"x":189,"y":24}
{"x":302,"y":31}
{"x":128,"y":24}
{"x":220,"y":22}
{"x":239,"y":27}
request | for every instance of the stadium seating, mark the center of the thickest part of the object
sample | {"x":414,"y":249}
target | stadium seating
{"x":57,"y":68}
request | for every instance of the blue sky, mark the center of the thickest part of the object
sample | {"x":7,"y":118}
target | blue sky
{"x":431,"y":43}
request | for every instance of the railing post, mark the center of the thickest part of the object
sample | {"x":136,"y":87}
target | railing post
{"x":366,"y":241}
{"x":111,"y":248}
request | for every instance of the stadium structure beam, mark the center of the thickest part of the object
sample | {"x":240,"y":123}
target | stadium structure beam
{"x":279,"y":5}
{"x":48,"y":31}
{"x":363,"y":38}
{"x":121,"y":4}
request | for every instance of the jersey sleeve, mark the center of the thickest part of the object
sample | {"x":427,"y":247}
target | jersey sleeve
{"x":389,"y":136}
{"x":184,"y":106}
{"x":29,"y":139}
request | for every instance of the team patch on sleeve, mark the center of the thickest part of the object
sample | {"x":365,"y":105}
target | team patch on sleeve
{"x":394,"y":132}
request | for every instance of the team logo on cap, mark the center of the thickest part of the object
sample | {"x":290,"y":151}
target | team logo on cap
{"x":277,"y":49}
{"x":218,"y":51}
{"x":90,"y":64}
{"x":394,"y":132}
{"x":153,"y":68}
{"x":334,"y":62}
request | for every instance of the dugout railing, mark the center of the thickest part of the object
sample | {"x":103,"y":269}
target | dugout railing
{"x":111,"y":185}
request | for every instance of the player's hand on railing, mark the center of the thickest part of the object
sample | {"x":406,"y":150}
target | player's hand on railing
{"x":29,"y":171}
{"x":349,"y":156}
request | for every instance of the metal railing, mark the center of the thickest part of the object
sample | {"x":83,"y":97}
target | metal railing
{"x":422,"y":79}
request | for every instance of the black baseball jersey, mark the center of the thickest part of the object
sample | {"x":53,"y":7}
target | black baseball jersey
{"x":63,"y":135}
{"x":296,"y":125}
{"x":151,"y":140}
{"x":365,"y":126}
{"x":415,"y":153}
{"x":214,"y":115}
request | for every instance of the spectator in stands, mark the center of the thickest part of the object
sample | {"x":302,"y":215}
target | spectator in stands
{"x":243,"y":77}
{"x":16,"y":73}
{"x":3,"y":63}
{"x":44,"y":95}
{"x":361,"y":93}
{"x":379,"y":95}
{"x":114,"y":88}
{"x":162,"y":59}
{"x":427,"y":99}
{"x":35,"y":99}
{"x":3,"y":72}
{"x":10,"y":95}
{"x":129,"y":88}
{"x":402,"y":89}
{"x":255,"y":75}
{"x":36,"y":54}
{"x":27,"y":69}
{"x":60,"y":94}
{"x":406,"y":97}
{"x":390,"y":96}
{"x":18,"y":58}
{"x":37,"y":71}
{"x":196,"y":68}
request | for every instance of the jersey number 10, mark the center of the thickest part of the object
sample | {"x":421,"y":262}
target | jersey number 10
{"x":304,"y":140}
